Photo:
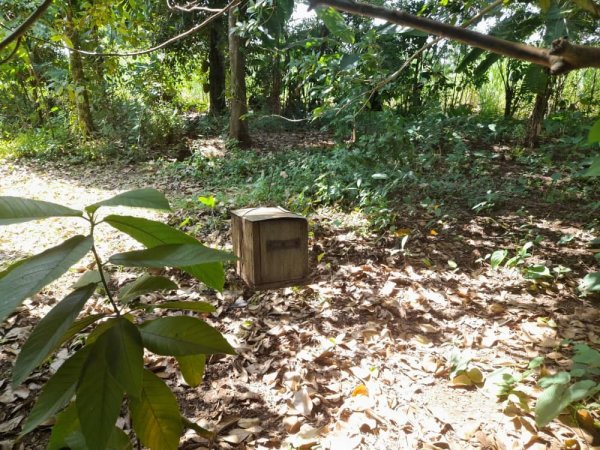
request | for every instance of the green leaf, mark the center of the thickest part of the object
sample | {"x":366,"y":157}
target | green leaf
{"x":155,"y":415}
{"x":182,"y":335}
{"x":594,"y":169}
{"x":590,"y":283}
{"x":172,"y":255}
{"x":66,"y":432}
{"x":89,"y":277}
{"x":549,"y":404}
{"x":57,"y":391}
{"x":143,"y":285}
{"x":76,"y":327}
{"x":49,"y":332}
{"x":497,"y":258}
{"x":594,"y":135}
{"x":557,"y":378}
{"x":537,"y":272}
{"x":17,"y":210}
{"x":152,"y":233}
{"x":125,"y":355}
{"x":192,"y":368}
{"x":137,"y":198}
{"x":119,"y":440}
{"x":348,"y":61}
{"x":336,"y":24}
{"x":99,"y":396}
{"x":186,"y":306}
{"x":558,"y":396}
{"x":581,"y":390}
{"x":29,"y":276}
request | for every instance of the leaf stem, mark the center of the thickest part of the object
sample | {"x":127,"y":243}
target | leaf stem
{"x":100,"y":265}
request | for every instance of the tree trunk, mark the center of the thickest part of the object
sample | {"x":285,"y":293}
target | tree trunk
{"x":509,"y":94}
{"x":238,"y":127}
{"x":274,"y":101}
{"x":81,"y":96}
{"x":540,"y":108}
{"x":216,"y":68}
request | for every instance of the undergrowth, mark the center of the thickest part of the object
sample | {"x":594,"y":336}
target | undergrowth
{"x":461,"y":163}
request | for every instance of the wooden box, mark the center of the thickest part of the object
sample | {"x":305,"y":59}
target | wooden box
{"x":272,"y":247}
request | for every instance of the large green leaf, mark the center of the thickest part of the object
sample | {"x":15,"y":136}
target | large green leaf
{"x":336,"y":24}
{"x":594,"y":135}
{"x":76,"y":327}
{"x":49,"y":332}
{"x":182,"y":335}
{"x":90,"y":277}
{"x":66,"y":432}
{"x":143,"y":285}
{"x":57,"y":391}
{"x":99,"y":397}
{"x":137,"y":198}
{"x":192,"y":368}
{"x":25,"y":278}
{"x":152,"y":233}
{"x":557,"y":397}
{"x":186,"y":306}
{"x":17,"y":209}
{"x":549,"y":404}
{"x":172,"y":255}
{"x":594,"y":169}
{"x":155,"y":415}
{"x":590,"y":283}
{"x":125,"y":355}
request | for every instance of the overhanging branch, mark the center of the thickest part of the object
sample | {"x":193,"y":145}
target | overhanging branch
{"x":561,"y":58}
{"x":26,"y":25}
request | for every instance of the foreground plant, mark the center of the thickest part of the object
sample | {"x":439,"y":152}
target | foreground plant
{"x":89,"y":389}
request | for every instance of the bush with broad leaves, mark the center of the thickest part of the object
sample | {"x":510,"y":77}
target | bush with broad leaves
{"x":88,"y":391}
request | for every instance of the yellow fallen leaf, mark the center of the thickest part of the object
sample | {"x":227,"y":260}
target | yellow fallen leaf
{"x":475,"y":375}
{"x":433,"y":232}
{"x":402,"y":232}
{"x":361,"y":389}
{"x":585,"y":419}
{"x":571,"y":444}
{"x":461,"y":380}
{"x":423,"y":340}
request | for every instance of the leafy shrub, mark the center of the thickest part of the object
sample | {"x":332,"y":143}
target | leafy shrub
{"x":110,"y":366}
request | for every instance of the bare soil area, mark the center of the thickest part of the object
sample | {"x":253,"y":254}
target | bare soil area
{"x":363,"y":356}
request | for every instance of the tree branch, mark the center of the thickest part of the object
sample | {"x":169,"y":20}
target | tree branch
{"x":170,"y":41}
{"x":16,"y":34}
{"x":590,"y":6}
{"x":13,"y":53}
{"x":190,"y":7}
{"x":561,"y":58}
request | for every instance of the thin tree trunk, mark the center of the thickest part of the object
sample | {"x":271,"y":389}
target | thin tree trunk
{"x":274,"y":101}
{"x":216,"y":68}
{"x":540,"y":108}
{"x":238,"y":127}
{"x":82,"y":98}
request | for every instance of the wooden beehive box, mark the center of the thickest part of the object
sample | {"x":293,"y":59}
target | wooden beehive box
{"x":272,"y":247}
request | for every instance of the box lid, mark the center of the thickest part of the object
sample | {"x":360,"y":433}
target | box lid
{"x":260,"y":214}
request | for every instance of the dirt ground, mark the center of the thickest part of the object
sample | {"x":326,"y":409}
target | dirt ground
{"x":362,"y":356}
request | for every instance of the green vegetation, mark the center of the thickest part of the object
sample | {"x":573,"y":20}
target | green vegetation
{"x":111,"y":363}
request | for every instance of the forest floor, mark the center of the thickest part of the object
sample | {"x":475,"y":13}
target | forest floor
{"x":368,"y":354}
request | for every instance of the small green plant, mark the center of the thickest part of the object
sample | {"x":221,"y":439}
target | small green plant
{"x":564,"y":389}
{"x":88,"y":391}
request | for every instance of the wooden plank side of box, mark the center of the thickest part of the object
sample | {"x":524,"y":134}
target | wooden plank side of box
{"x":283,"y":250}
